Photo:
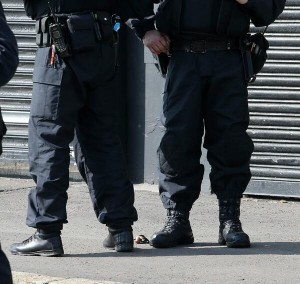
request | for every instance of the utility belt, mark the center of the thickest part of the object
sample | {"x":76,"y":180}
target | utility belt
{"x":253,"y":49}
{"x":78,"y":31}
{"x":203,"y":46}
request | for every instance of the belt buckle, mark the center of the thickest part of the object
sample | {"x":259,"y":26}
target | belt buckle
{"x":198,"y":46}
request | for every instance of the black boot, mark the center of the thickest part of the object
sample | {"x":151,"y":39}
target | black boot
{"x":231,"y":233}
{"x":121,"y":240}
{"x":39,"y":245}
{"x":177,"y":231}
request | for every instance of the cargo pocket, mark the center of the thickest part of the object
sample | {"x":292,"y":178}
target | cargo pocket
{"x":46,"y":92}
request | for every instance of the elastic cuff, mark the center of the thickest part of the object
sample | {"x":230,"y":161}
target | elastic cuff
{"x":50,"y":227}
{"x":45,"y":234}
{"x":229,"y":195}
{"x":117,"y":229}
{"x":185,"y":210}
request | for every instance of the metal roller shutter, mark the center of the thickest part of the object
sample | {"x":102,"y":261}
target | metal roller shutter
{"x":274,"y":103}
{"x":15,"y":96}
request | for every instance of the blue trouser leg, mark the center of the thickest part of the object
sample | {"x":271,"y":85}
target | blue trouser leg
{"x":68,"y":96}
{"x":100,"y":159}
{"x":51,"y":130}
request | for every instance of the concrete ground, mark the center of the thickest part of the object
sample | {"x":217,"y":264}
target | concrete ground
{"x":273,"y":226}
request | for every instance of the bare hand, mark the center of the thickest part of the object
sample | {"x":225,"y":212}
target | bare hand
{"x":242,"y":1}
{"x":157,"y":42}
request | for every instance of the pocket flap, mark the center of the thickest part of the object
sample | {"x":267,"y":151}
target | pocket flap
{"x":49,"y":76}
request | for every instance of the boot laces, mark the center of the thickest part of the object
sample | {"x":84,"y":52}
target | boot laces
{"x":235,"y":225}
{"x":31,"y":238}
{"x":173,"y":220}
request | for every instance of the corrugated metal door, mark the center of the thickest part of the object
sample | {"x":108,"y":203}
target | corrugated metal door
{"x":15,"y":96}
{"x":274,"y":102}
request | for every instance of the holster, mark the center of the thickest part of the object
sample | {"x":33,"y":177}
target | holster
{"x":254,"y":48}
{"x":162,"y":63}
{"x":248,"y":65}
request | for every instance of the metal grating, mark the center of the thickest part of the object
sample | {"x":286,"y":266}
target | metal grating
{"x":275,"y":110}
{"x":274,"y":103}
{"x":15,"y":96}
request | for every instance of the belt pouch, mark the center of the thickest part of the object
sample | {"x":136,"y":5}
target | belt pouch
{"x":46,"y":40}
{"x":248,"y":65}
{"x":106,"y":26}
{"x":39,"y":34}
{"x":81,"y":31}
{"x":42,"y":32}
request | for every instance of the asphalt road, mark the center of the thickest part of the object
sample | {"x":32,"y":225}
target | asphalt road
{"x":273,"y":226}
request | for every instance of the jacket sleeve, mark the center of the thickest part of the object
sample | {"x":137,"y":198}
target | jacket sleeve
{"x":8,"y":51}
{"x":264,"y":12}
{"x":138,"y":15}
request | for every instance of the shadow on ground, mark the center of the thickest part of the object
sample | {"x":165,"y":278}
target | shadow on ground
{"x":264,"y":248}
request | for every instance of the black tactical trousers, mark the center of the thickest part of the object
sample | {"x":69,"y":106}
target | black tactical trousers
{"x":77,"y":93}
{"x":204,"y":91}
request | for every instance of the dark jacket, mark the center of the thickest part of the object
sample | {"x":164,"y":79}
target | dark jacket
{"x":8,"y":51}
{"x":8,"y":63}
{"x":125,"y":8}
{"x":234,"y":18}
{"x":5,"y":272}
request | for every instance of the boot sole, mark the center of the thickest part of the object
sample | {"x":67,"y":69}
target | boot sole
{"x":186,"y":240}
{"x":124,"y":248}
{"x":44,"y":253}
{"x":120,"y":248}
{"x":238,"y":245}
{"x":245,"y":244}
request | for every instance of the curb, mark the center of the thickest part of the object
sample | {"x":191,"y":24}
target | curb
{"x":31,"y":278}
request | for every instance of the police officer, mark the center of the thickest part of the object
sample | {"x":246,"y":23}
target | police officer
{"x":8,"y":64}
{"x":74,"y":89}
{"x":206,"y":89}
